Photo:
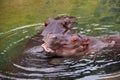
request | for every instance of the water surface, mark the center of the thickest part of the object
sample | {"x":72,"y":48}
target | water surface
{"x":21,"y":19}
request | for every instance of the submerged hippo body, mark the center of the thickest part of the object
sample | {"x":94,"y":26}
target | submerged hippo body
{"x":66,"y":46}
{"x":59,"y":39}
{"x":62,"y":44}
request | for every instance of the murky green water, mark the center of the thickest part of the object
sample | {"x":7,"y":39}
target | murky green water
{"x":21,"y":19}
{"x":17,"y":19}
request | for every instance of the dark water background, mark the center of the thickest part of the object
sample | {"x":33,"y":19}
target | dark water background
{"x":21,"y":19}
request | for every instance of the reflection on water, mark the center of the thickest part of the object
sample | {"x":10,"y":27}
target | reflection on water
{"x":11,"y":41}
{"x":31,"y":62}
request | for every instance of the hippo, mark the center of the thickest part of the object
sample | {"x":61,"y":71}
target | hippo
{"x":58,"y":39}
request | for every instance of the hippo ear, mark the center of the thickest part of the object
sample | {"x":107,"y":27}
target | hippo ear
{"x":46,"y":23}
{"x":67,"y":20}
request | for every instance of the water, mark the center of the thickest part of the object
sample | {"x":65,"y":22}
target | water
{"x":23,"y":58}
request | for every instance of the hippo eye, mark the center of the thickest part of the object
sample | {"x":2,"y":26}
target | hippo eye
{"x":76,"y":46}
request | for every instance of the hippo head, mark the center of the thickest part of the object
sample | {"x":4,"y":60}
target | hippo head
{"x":58,"y":25}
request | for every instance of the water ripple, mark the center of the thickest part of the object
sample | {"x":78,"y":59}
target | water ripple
{"x":22,"y":27}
